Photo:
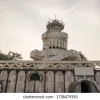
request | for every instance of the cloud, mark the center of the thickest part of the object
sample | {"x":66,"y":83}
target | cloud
{"x":22,"y":23}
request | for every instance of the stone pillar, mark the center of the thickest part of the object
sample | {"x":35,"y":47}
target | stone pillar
{"x":46,"y":51}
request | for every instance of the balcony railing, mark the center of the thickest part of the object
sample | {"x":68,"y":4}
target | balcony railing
{"x":48,"y":65}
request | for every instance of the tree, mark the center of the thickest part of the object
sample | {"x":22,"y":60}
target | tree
{"x":82,"y":56}
{"x":85,"y":59}
{"x":10,"y":56}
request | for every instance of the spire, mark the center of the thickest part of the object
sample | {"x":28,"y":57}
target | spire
{"x":55,"y":17}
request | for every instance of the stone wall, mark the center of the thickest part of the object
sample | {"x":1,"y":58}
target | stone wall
{"x":55,"y":76}
{"x":53,"y":81}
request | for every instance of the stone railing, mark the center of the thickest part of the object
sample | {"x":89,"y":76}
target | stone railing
{"x":48,"y":65}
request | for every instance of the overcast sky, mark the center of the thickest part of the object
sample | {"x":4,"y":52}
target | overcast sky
{"x":22,"y":22}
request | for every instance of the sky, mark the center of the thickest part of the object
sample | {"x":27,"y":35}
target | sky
{"x":22,"y":22}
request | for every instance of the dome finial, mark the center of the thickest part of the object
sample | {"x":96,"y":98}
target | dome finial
{"x":55,"y":23}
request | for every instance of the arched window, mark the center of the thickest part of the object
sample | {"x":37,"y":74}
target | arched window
{"x":35,"y":77}
{"x":1,"y":87}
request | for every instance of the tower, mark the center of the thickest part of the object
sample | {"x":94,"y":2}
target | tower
{"x":54,"y":37}
{"x":55,"y":43}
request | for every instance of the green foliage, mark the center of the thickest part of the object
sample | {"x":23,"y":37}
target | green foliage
{"x":82,"y":56}
{"x":85,"y":59}
{"x":10,"y":56}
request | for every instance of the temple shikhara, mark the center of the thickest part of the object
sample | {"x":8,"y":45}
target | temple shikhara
{"x":55,"y":44}
{"x":53,"y":69}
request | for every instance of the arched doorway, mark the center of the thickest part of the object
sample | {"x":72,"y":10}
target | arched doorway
{"x":84,"y":86}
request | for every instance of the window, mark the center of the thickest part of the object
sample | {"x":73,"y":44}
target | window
{"x":36,"y":76}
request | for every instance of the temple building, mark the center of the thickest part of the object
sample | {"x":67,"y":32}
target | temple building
{"x":54,"y":69}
